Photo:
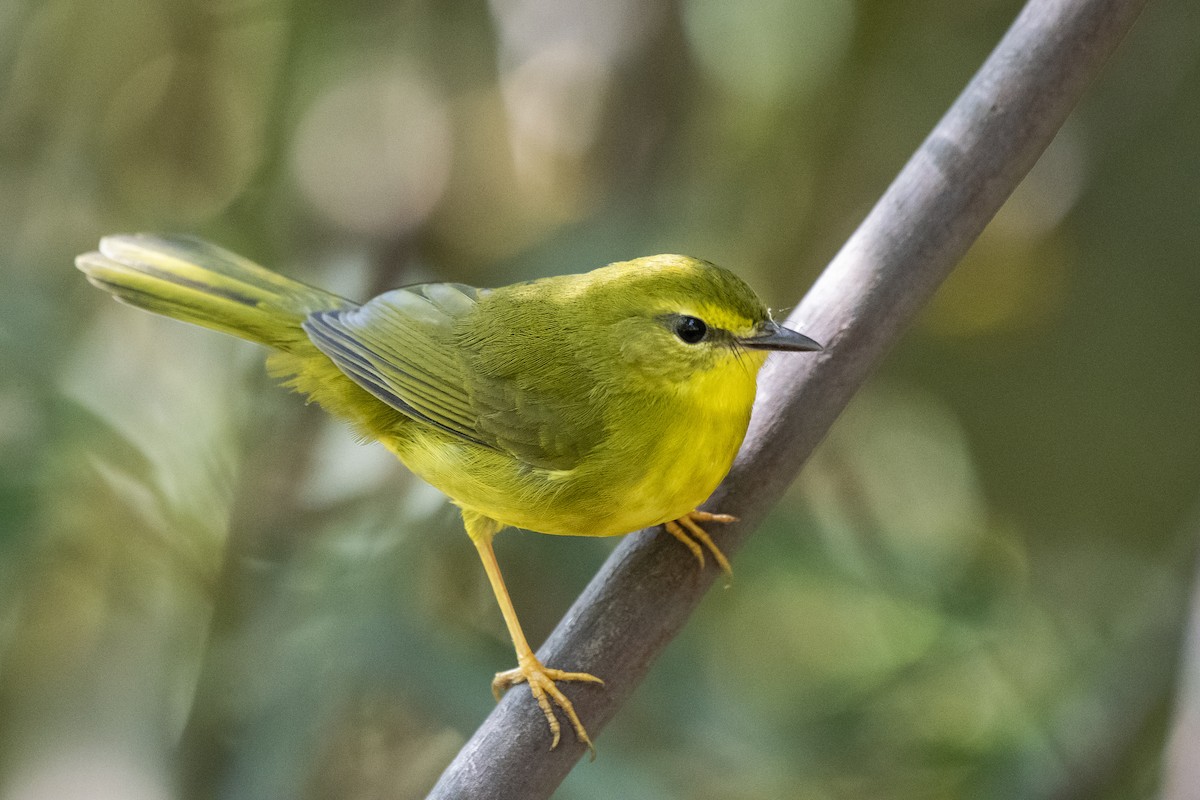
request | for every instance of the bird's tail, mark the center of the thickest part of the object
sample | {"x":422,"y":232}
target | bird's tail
{"x":198,"y":282}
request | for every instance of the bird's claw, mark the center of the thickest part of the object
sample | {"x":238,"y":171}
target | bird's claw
{"x":542,"y":682}
{"x":688,"y":531}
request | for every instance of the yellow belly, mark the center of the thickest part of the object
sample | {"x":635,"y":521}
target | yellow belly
{"x":684,"y":468}
{"x":637,"y":478}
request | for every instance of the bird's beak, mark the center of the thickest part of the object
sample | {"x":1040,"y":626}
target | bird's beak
{"x":772,"y":336}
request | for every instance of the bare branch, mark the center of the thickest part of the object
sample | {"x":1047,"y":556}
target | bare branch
{"x":859,"y":307}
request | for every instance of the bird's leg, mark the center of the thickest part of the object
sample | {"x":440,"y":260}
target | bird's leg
{"x":541,"y":679}
{"x":688,"y":531}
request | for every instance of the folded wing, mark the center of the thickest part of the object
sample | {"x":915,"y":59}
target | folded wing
{"x":406,"y":348}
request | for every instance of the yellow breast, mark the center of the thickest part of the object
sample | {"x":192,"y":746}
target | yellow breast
{"x":656,"y":464}
{"x":688,"y":457}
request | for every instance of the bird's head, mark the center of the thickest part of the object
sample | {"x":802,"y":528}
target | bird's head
{"x":678,"y":320}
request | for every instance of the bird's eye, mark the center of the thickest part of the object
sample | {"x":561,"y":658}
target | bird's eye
{"x":690,"y":329}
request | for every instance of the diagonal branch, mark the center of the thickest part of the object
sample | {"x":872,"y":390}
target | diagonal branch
{"x":859,"y":307}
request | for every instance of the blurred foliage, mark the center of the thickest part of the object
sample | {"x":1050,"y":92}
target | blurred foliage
{"x":976,"y":589}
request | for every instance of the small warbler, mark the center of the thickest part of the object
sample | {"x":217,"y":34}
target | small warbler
{"x":589,"y":405}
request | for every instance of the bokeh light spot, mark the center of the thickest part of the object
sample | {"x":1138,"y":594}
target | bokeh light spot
{"x":769,"y":49}
{"x":373,"y":153}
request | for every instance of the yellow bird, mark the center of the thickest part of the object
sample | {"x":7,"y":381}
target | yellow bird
{"x":587,"y":405}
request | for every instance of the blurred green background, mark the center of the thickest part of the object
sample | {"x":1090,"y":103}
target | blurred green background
{"x":977,"y":588}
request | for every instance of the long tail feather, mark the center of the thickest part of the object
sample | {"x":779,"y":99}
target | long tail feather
{"x":192,"y":280}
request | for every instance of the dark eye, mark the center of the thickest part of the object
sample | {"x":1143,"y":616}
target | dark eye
{"x":690,"y":329}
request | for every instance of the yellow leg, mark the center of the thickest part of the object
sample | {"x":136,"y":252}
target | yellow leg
{"x":688,"y":531}
{"x":540,"y":678}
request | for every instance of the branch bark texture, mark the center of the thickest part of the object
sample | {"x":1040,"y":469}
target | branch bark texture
{"x":859,"y":307}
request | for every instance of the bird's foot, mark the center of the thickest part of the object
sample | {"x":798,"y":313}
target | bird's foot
{"x":688,"y":531}
{"x":542,"y":683}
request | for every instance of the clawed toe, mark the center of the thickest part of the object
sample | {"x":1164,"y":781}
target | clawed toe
{"x":688,"y":531}
{"x":542,"y":682}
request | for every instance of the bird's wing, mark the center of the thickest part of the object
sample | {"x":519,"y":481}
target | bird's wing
{"x":404,"y":348}
{"x":400,"y":348}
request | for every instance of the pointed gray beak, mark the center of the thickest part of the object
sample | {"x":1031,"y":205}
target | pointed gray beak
{"x":772,"y":336}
